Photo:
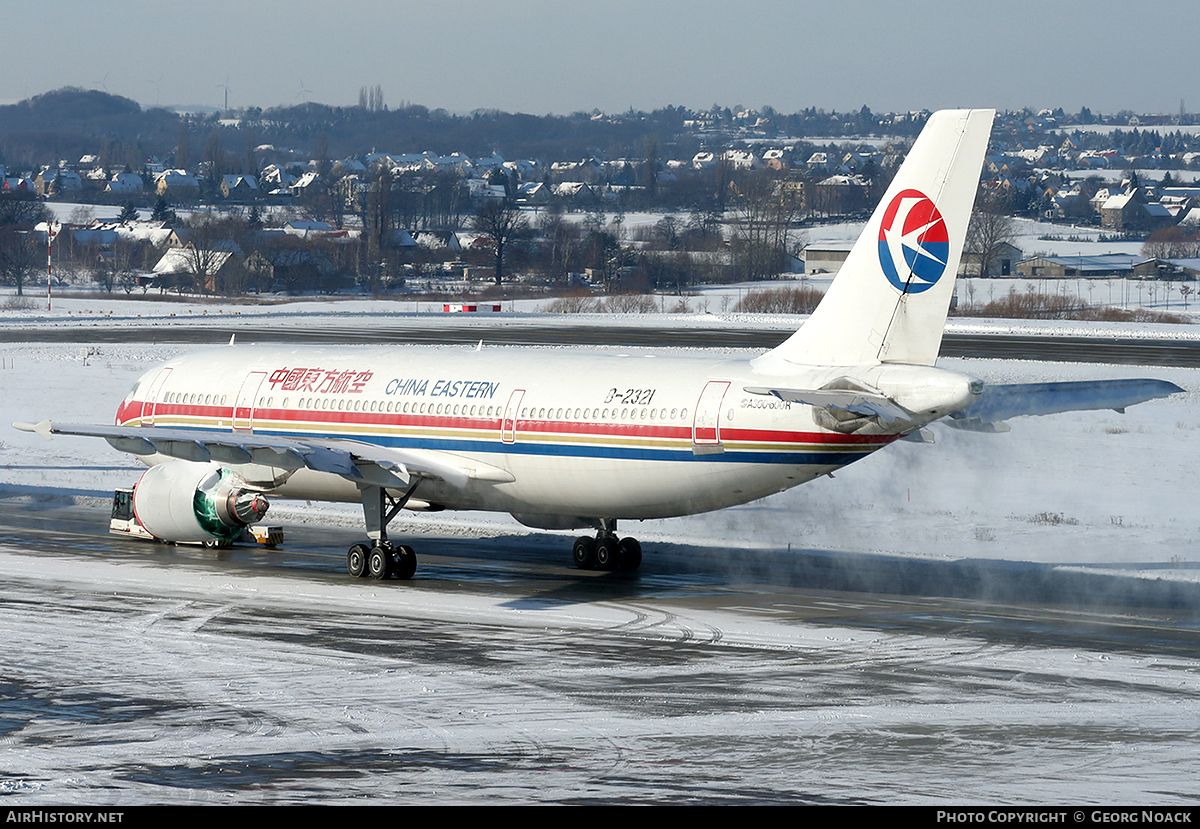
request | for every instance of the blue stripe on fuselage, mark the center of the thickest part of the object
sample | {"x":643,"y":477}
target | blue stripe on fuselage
{"x":591,"y":451}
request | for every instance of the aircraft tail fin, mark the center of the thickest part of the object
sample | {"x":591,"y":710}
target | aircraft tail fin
{"x":889,"y":301}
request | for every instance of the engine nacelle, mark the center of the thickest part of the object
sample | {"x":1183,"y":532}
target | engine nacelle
{"x":197,"y":502}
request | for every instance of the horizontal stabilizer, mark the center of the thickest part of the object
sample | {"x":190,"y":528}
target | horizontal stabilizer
{"x":860,"y":402}
{"x":1001,"y":402}
{"x":41,"y":428}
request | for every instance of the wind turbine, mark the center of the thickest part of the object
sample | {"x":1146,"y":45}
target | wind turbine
{"x":304,"y":91}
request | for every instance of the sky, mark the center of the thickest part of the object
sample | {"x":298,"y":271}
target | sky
{"x":562,"y":56}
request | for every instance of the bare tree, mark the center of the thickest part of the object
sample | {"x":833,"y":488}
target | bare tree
{"x":212,"y":256}
{"x":377,"y":212}
{"x":650,"y":167}
{"x":500,"y":222}
{"x":561,"y":237}
{"x":371,"y":99}
{"x":23,"y":209}
{"x":21,"y":257}
{"x":82,"y":216}
{"x":446,"y":202}
{"x":762,"y":212}
{"x":1172,"y":243}
{"x":117,"y":267}
{"x":991,"y":228}
{"x":214,"y":156}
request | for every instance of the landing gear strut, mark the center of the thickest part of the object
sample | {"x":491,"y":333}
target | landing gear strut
{"x":606,"y":551}
{"x":378,"y":558}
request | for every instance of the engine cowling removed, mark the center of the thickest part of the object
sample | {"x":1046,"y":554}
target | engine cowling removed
{"x":196,"y":502}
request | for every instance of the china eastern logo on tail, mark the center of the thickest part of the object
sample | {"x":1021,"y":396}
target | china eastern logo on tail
{"x":913,"y":242}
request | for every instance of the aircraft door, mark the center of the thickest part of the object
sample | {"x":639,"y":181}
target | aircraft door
{"x":508,"y":427}
{"x":151,"y":402}
{"x":243,"y":407}
{"x":706,"y":424}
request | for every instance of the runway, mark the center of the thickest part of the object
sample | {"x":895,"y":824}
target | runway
{"x":144,"y":673}
{"x":419,"y":330}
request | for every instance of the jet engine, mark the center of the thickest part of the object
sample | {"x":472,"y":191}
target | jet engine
{"x":196,"y":502}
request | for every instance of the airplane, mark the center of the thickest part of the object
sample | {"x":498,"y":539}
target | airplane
{"x":569,"y":440}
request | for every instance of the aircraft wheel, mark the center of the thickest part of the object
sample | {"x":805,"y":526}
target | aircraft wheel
{"x":584,"y":553}
{"x":606,"y":553}
{"x":377,"y":563}
{"x":403,"y":562}
{"x":629,"y":554}
{"x":356,"y":560}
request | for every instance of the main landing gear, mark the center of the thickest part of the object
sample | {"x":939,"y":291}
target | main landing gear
{"x":606,"y":551}
{"x":378,"y":558}
{"x":382,"y":560}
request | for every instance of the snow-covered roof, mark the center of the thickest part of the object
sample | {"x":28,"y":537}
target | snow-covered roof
{"x":1098,"y":262}
{"x":1191,"y":218}
{"x":305,"y":180}
{"x":67,"y":179}
{"x":1117,"y":202}
{"x":181,"y":260}
{"x":275,"y":174}
{"x":837,"y":246}
{"x":1189,"y":264}
{"x":480,"y":189}
{"x":125,"y":183}
{"x":178,"y":178}
{"x":569,"y":188}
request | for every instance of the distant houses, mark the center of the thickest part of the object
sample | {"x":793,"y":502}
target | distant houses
{"x":239,"y":187}
{"x":177,"y":185}
{"x":125,"y":184}
{"x":345,"y":226}
{"x":57,"y":182}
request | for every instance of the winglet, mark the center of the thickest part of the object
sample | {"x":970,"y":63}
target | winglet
{"x":232,"y":337}
{"x":44,"y":428}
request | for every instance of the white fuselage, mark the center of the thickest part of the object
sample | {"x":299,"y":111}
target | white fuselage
{"x":581,"y":436}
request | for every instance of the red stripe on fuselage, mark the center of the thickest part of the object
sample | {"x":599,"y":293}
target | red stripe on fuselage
{"x":564,"y":428}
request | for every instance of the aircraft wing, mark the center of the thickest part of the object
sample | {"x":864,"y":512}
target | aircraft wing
{"x":352,"y":459}
{"x":1001,"y":402}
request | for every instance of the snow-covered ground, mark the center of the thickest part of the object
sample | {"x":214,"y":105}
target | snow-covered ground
{"x":135,"y":679}
{"x":129,"y":680}
{"x":1062,"y":239}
